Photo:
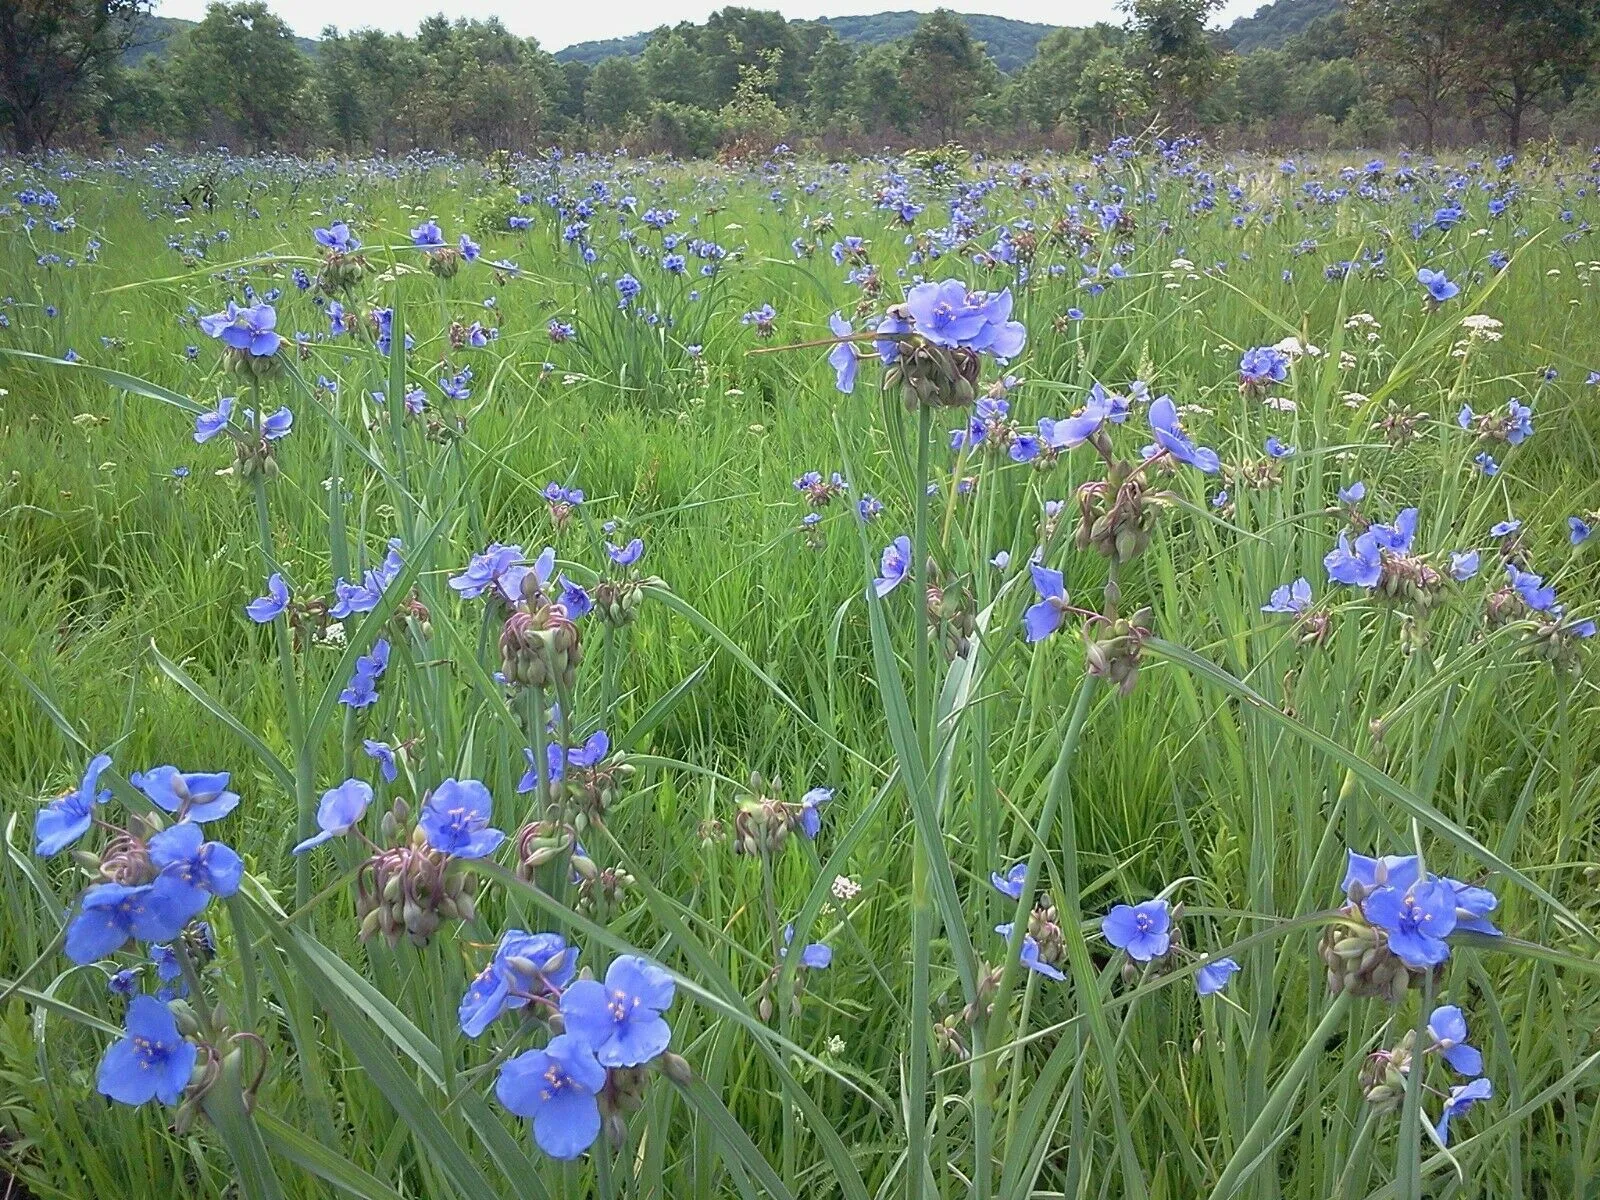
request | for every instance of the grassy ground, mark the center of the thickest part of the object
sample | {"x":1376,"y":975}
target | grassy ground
{"x":1232,"y":777}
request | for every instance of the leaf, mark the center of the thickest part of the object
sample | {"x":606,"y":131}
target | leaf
{"x":709,"y":1106}
{"x":311,"y":1156}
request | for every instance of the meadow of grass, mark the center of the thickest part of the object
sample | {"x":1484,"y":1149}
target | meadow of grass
{"x":1454,"y":719}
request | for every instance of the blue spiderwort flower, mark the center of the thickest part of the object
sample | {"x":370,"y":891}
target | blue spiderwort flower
{"x":340,"y":810}
{"x":1215,"y":976}
{"x":1171,"y":437}
{"x":626,"y":556}
{"x":818,"y":955}
{"x":68,"y":817}
{"x":1276,"y":449}
{"x":1074,"y":431}
{"x":1532,"y":589}
{"x":199,"y":796}
{"x":428,"y":235}
{"x":1473,"y":906}
{"x":1437,"y":285}
{"x":557,"y":1088}
{"x":1416,"y":919}
{"x":869,"y":508}
{"x":266,"y":608}
{"x":1578,"y":530}
{"x":1505,"y":528}
{"x":574,"y":599}
{"x":248,"y":330}
{"x":1449,"y":1031}
{"x":1143,"y":931}
{"x":455,"y":819}
{"x":1262,"y":366}
{"x":524,"y":965}
{"x":1353,"y":494}
{"x":1029,"y":955}
{"x":112,"y":913}
{"x":842,"y":358}
{"x":124,"y":983}
{"x":621,"y":1018}
{"x":384,"y":754}
{"x":1485,"y":462}
{"x":1463,"y":565}
{"x":153,"y":1062}
{"x":207,"y":425}
{"x":942,"y":314}
{"x":182,"y":853}
{"x":1460,"y":1100}
{"x":1360,"y":565}
{"x":337,"y":237}
{"x":893,"y":566}
{"x":811,"y":811}
{"x":501,"y":570}
{"x":1010,"y":884}
{"x":1044,"y":618}
{"x":1289,"y":597}
{"x":274,"y":426}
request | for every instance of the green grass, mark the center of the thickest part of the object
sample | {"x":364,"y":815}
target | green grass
{"x":1232,"y":777}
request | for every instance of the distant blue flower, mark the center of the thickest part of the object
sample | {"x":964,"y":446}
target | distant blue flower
{"x":501,"y":570}
{"x":1289,"y":597}
{"x":626,"y":556}
{"x":1010,"y":884}
{"x":1353,"y":494}
{"x":1460,"y":1100}
{"x":124,"y":983}
{"x":1044,"y":618}
{"x":1263,"y":366}
{"x":1144,"y":931}
{"x":1276,"y":449}
{"x":208,"y":425}
{"x":469,"y":248}
{"x":524,"y":965}
{"x":197,"y":795}
{"x":337,"y":237}
{"x":869,"y":508}
{"x":1463,"y":565}
{"x":1171,"y":437}
{"x":557,"y":1088}
{"x":1535,"y":594}
{"x":274,"y":426}
{"x":811,"y":811}
{"x":1214,"y":976}
{"x":248,"y":330}
{"x":1505,"y":528}
{"x":384,"y":755}
{"x":340,"y":810}
{"x":1360,"y":565}
{"x":428,"y":235}
{"x":266,"y":608}
{"x":574,"y":599}
{"x":1578,"y":530}
{"x":181,"y":852}
{"x":68,"y":817}
{"x":818,"y":955}
{"x":1448,"y":1029}
{"x":842,"y":358}
{"x":455,"y":819}
{"x":1029,"y":955}
{"x":892,"y":566}
{"x":1485,"y":462}
{"x":621,"y":1018}
{"x":153,"y":1062}
{"x":1416,"y":919}
{"x":1437,"y":284}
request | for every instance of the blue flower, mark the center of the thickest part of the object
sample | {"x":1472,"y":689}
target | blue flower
{"x":1449,"y":1031}
{"x":621,"y":1018}
{"x":1392,"y":870}
{"x":1531,"y":588}
{"x":502,"y":569}
{"x":1460,"y":1100}
{"x":1505,"y":528}
{"x":818,"y":955}
{"x":340,"y":809}
{"x":1082,"y":425}
{"x":208,"y":425}
{"x":1358,"y":566}
{"x":1044,"y":618}
{"x":1353,"y":494}
{"x":942,"y":314}
{"x":182,"y":853}
{"x":1463,"y":565}
{"x":455,"y":819}
{"x":574,"y":599}
{"x":384,"y":755}
{"x":1578,"y":530}
{"x":1263,"y":366}
{"x":524,"y":965}
{"x":337,"y":237}
{"x":274,"y":426}
{"x":266,"y":608}
{"x":842,"y":358}
{"x":1473,"y":906}
{"x":892,"y":566}
{"x":1214,"y":976}
{"x":1029,"y":955}
{"x":1416,"y":919}
{"x":626,"y":556}
{"x":1289,"y":597}
{"x":1171,"y":437}
{"x":195,"y":795}
{"x":428,"y":235}
{"x":248,"y":330}
{"x":112,"y":913}
{"x":811,"y":811}
{"x":68,"y":817}
{"x":557,"y":1088}
{"x":153,"y":1062}
{"x":1144,"y":931}
{"x":1438,"y":285}
{"x":1485,"y":462}
{"x":1276,"y":449}
{"x":1010,"y":884}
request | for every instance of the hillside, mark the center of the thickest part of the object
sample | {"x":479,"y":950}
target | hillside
{"x":157,"y":35}
{"x":1010,"y":43}
{"x":1274,"y":24}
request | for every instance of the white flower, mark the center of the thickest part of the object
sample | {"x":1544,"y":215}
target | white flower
{"x":1294,"y":347}
{"x":845,"y":888}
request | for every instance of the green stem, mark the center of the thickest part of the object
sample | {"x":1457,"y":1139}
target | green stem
{"x":921,"y":894}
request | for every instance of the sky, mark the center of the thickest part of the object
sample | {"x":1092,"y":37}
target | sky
{"x":558,"y":23}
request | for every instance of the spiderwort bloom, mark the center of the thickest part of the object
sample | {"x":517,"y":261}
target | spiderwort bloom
{"x":1437,"y":285}
{"x":247,"y":330}
{"x":196,"y":795}
{"x":1353,"y":494}
{"x":1291,"y":598}
{"x":1010,"y":884}
{"x":68,"y":817}
{"x":207,"y":425}
{"x":1532,"y":589}
{"x":112,"y":913}
{"x":1460,"y":1100}
{"x":811,"y":811}
{"x":1143,"y":931}
{"x":1360,"y":565}
{"x":842,"y":358}
{"x":1505,"y":528}
{"x":1044,"y":618}
{"x":893,"y":566}
{"x":340,"y":810}
{"x":621,"y":1018}
{"x":557,"y":1088}
{"x":1416,"y":919}
{"x":1463,"y":565}
{"x":267,"y":608}
{"x":1448,"y":1029}
{"x":208,"y":868}
{"x":1578,"y":530}
{"x":500,"y":570}
{"x":524,"y":965}
{"x":338,"y":238}
{"x":1262,"y":366}
{"x":626,"y":556}
{"x":1215,"y":976}
{"x":1029,"y":954}
{"x":1277,"y":449}
{"x":428,"y":235}
{"x":384,"y":754}
{"x":942,"y":314}
{"x":1171,"y":437}
{"x":818,"y":955}
{"x":153,"y":1062}
{"x":455,"y":819}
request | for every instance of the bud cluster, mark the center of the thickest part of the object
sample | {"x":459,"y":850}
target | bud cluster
{"x":408,"y":888}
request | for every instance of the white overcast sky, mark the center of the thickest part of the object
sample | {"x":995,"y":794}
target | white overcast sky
{"x":558,"y":23}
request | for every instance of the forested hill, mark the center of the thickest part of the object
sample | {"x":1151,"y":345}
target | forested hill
{"x":1010,"y":43}
{"x":159,"y":35}
{"x":1274,"y":24}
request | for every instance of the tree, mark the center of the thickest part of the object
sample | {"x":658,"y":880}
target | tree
{"x":52,"y":54}
{"x":1417,"y":52}
{"x":1524,"y":50}
{"x":828,"y":82}
{"x":876,"y":97}
{"x":241,"y":64}
{"x":674,"y":69}
{"x":943,"y":71}
{"x":615,"y":93}
{"x":1177,"y":55}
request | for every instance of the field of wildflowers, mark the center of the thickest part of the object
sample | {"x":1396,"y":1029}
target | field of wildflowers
{"x":604,"y":677}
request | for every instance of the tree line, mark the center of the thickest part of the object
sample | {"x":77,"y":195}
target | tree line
{"x":1366,"y":72}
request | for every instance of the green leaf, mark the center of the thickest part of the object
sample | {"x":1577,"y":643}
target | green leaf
{"x":245,"y":734}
